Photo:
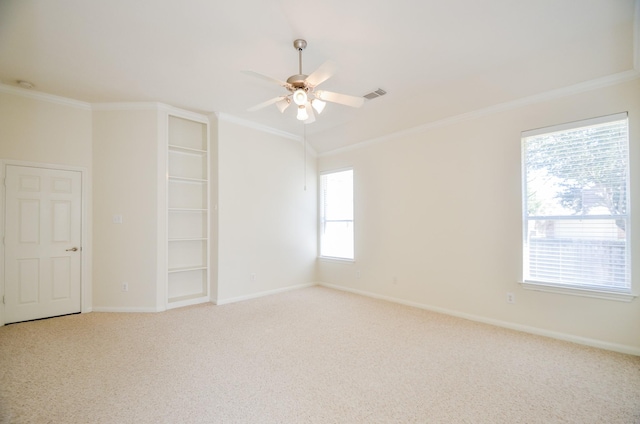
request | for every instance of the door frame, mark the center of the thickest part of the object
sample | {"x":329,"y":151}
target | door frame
{"x":85,"y":229}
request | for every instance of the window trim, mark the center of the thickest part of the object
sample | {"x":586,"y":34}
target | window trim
{"x":624,"y":295}
{"x":575,"y":124}
{"x":621,"y":296}
{"x":320,"y":216}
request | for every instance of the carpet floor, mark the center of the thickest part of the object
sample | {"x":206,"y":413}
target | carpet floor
{"x":313,"y":355}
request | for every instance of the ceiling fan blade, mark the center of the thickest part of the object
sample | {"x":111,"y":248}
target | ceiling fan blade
{"x":265,"y":104}
{"x":323,"y":73}
{"x":342,"y":99}
{"x":266,"y":78}
{"x":312,"y":116}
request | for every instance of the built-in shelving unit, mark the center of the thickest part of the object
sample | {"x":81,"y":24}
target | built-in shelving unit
{"x":188,"y":212}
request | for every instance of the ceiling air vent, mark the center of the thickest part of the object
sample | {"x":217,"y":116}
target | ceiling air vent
{"x":374,"y":94}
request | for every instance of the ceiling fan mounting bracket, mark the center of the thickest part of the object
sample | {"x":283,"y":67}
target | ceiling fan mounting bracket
{"x":300,"y":44}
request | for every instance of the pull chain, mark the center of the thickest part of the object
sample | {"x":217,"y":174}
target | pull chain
{"x":304,"y":143}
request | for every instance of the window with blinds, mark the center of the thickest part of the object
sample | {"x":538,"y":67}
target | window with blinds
{"x":336,"y":214}
{"x":576,"y":205}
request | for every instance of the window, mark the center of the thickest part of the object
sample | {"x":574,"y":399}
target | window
{"x":576,"y":205}
{"x":336,"y":214}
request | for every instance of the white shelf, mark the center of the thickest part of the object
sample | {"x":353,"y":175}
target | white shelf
{"x":183,"y":149}
{"x":187,"y":165}
{"x":187,"y":239}
{"x":186,"y":268}
{"x":188,"y":195}
{"x":188,"y":208}
{"x":186,"y":179}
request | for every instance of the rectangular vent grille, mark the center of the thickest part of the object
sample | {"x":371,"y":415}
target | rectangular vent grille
{"x":375,"y":94}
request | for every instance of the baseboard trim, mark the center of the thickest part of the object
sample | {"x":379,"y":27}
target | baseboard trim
{"x":262,"y":294}
{"x":630,"y":350}
{"x":125,"y":309}
{"x":188,"y":302}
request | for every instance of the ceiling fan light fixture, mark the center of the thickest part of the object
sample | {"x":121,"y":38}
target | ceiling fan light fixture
{"x":302,"y":113}
{"x":318,"y":105}
{"x":301,"y":90}
{"x":300,"y":97}
{"x":283,"y":104}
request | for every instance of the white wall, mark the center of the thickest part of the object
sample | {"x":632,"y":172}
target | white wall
{"x":441,"y":212}
{"x":125,"y":156}
{"x":43,"y":129}
{"x":267,"y":221}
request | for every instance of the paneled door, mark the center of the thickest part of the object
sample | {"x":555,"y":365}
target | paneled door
{"x":42,"y":242}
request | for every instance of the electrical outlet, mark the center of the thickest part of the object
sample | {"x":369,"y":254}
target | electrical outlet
{"x":252,"y":277}
{"x":125,"y":287}
{"x":511,"y":298}
{"x":117,"y":219}
{"x":395,"y":280}
{"x":358,"y":275}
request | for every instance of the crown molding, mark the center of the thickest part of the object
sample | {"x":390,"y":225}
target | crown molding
{"x":187,"y":114}
{"x":65,"y":101}
{"x":583,"y":87}
{"x":38,"y":95}
{"x":128,"y":106}
{"x":183,"y":113}
{"x":149,"y":106}
{"x":259,"y":127}
{"x":266,"y":129}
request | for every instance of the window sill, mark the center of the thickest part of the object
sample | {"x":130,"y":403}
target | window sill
{"x":598,"y":294}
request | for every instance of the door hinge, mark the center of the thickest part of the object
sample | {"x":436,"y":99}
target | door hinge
{"x":3,"y":300}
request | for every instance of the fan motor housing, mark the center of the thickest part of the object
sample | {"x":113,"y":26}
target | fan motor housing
{"x":298,"y":81}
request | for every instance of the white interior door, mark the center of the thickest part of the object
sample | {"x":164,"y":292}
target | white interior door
{"x":42,"y":242}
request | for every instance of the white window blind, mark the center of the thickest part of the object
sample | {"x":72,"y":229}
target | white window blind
{"x":576,"y":205}
{"x":336,"y":214}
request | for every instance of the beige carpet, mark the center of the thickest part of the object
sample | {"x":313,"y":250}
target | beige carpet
{"x":308,"y":356}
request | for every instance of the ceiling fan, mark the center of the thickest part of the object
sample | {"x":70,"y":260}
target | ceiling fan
{"x":302,"y":90}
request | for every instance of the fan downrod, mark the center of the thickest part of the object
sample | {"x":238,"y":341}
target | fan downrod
{"x":299,"y":80}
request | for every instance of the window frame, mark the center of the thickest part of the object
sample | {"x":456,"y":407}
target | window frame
{"x":603,"y":292}
{"x":321,"y":214}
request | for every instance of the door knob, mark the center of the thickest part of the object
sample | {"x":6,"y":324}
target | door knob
{"x":73,"y":249}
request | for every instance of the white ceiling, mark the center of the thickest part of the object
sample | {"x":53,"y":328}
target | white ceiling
{"x":434,"y":58}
